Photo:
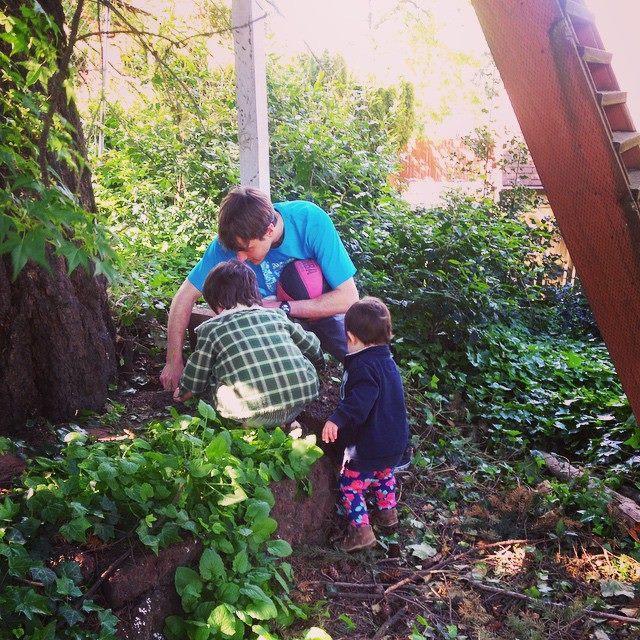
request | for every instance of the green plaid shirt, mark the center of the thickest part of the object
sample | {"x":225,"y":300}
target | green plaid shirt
{"x":253,"y":360}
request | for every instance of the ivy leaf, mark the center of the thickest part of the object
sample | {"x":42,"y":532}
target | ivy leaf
{"x":43,"y":574}
{"x":279,"y":548}
{"x":45,"y":633}
{"x":76,"y":530}
{"x":32,"y":604}
{"x":65,"y":587}
{"x":70,"y":570}
{"x":71,"y":615}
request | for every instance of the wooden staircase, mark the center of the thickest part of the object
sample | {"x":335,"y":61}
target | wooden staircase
{"x":575,"y":119}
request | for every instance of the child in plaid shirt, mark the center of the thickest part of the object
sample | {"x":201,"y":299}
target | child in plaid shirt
{"x":255,"y":361}
{"x":370,"y":422}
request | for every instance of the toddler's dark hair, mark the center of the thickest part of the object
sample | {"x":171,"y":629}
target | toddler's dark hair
{"x":369,"y":320}
{"x":229,"y":284}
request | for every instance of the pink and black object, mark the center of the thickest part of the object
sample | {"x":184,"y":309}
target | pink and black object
{"x":301,"y":280}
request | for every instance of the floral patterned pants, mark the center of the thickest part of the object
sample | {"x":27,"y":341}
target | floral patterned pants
{"x":354,"y":484}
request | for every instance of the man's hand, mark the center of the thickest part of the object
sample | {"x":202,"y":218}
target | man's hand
{"x":187,"y":395}
{"x":330,"y":431}
{"x":170,"y":376}
{"x":179,"y":315}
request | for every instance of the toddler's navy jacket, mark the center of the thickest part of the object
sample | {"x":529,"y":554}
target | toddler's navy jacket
{"x":372,"y":416}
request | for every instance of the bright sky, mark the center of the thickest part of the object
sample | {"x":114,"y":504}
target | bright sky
{"x":375,"y":43}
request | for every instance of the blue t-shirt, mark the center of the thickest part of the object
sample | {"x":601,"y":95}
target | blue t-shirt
{"x":308,"y":234}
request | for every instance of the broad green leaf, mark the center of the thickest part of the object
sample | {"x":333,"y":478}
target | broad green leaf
{"x":175,"y":628}
{"x":238,"y":495}
{"x":241,"y":562}
{"x":316,"y":633}
{"x":186,"y":576}
{"x":279,"y":548}
{"x":207,"y":411}
{"x":211,"y":566}
{"x":222,"y":617}
{"x":262,"y":606}
{"x":217,"y":448}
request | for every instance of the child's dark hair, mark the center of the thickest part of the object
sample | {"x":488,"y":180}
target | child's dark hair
{"x":230,"y":284}
{"x":369,"y":320}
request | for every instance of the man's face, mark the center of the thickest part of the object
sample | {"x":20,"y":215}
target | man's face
{"x":256,"y":250}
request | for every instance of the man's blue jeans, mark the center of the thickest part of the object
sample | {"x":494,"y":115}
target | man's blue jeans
{"x":333,"y":338}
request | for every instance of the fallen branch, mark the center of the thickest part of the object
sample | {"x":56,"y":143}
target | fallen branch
{"x":103,"y":576}
{"x":625,"y":510}
{"x":418,"y":575}
{"x":592,"y":613}
{"x":388,"y":624}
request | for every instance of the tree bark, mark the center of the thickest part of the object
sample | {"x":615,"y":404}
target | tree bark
{"x":57,"y":340}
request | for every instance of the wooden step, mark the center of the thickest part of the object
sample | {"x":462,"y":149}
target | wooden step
{"x":608,"y":98}
{"x":578,"y":12}
{"x":634,"y":181}
{"x":625,"y":140}
{"x":595,"y":56}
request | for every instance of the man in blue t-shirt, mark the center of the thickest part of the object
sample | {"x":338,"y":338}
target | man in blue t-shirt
{"x":267,"y":237}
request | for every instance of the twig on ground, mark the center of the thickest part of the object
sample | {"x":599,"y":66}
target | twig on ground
{"x":103,"y":576}
{"x":439,"y":564}
{"x":388,"y":624}
{"x":505,"y":543}
{"x":592,"y":613}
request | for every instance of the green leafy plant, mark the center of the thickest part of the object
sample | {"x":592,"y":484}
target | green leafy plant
{"x":188,"y":476}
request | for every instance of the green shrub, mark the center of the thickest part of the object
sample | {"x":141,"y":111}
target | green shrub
{"x":187,"y":476}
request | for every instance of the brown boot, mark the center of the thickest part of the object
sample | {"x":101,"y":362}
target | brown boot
{"x":385,"y":518}
{"x":358,"y":538}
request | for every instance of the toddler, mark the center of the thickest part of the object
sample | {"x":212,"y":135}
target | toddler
{"x":370,"y":421}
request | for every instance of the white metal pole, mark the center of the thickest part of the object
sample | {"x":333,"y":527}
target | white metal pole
{"x":251,"y":93}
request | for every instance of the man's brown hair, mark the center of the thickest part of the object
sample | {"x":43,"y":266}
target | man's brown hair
{"x":230,"y":284}
{"x":369,"y":320}
{"x":245,"y":214}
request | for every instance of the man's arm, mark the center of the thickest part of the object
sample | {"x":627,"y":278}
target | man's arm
{"x":324,"y":306}
{"x":179,"y":315}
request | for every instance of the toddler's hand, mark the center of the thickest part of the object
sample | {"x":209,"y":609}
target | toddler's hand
{"x":330,"y":431}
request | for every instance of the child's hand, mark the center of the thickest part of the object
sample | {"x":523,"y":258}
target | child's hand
{"x":330,"y":431}
{"x":182,"y":398}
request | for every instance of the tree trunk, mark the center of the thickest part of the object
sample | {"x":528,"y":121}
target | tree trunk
{"x":57,"y":348}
